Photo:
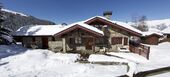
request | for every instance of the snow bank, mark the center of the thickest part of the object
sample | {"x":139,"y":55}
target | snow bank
{"x":130,"y":56}
{"x":159,"y":57}
{"x":104,"y":58}
{"x":65,"y":57}
{"x":132,"y":68}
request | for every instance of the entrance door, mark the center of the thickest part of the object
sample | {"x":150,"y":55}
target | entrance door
{"x":89,"y":43}
{"x":44,"y":42}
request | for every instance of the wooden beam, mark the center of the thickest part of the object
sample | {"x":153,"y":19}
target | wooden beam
{"x":64,"y":45}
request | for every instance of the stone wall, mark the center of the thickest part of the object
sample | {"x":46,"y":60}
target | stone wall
{"x":117,"y":33}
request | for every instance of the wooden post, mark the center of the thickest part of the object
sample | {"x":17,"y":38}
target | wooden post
{"x":64,"y":45}
{"x":93,"y":48}
{"x":148,"y":52}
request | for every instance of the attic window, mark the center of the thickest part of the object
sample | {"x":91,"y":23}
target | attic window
{"x":98,"y":26}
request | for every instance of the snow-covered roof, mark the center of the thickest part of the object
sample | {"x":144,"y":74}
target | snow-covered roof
{"x":122,"y":24}
{"x":13,"y":12}
{"x":166,"y":31}
{"x":50,"y":30}
{"x":148,"y":33}
{"x":38,"y":30}
{"x":152,"y":31}
{"x":82,"y":24}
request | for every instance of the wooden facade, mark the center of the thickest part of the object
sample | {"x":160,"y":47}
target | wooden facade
{"x":151,"y":39}
{"x":34,"y":41}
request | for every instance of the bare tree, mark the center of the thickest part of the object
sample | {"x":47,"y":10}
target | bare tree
{"x":161,"y":26}
{"x":142,"y":25}
{"x":140,"y":22}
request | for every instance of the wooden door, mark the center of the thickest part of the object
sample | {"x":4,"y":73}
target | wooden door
{"x":44,"y":42}
{"x":89,"y":43}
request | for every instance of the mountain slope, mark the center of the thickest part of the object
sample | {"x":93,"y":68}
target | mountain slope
{"x":15,"y":20}
{"x":156,"y":24}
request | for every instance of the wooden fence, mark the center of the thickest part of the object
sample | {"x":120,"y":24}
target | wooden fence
{"x":142,"y":50}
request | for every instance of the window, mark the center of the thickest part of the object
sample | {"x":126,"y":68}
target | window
{"x":116,"y":40}
{"x":78,"y":40}
{"x":72,"y":40}
{"x":125,"y":41}
{"x":98,"y":26}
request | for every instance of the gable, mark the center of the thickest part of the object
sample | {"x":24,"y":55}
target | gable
{"x":79,"y":27}
{"x":104,"y":21}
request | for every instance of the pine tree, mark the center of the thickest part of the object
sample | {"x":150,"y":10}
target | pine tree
{"x":5,"y":33}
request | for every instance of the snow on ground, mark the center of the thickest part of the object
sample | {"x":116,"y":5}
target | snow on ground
{"x":44,"y":63}
{"x":104,"y":58}
{"x":159,"y":57}
{"x":130,"y":57}
{"x":161,"y":75}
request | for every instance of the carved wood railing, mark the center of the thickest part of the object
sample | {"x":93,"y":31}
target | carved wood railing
{"x":142,"y":50}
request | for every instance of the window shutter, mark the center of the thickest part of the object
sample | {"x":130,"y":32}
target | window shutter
{"x":116,"y":40}
{"x":125,"y":41}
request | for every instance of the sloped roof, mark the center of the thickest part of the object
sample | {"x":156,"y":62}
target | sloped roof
{"x":152,"y":32}
{"x":82,"y":24}
{"x":38,"y":30}
{"x":148,"y":33}
{"x":50,"y":30}
{"x":120,"y":24}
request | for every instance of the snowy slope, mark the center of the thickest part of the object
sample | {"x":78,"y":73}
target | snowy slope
{"x":155,"y":23}
{"x":14,"y":12}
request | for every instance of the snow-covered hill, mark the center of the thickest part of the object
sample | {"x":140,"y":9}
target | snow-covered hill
{"x":156,"y":24}
{"x":14,"y":20}
{"x":153,"y":23}
{"x":14,"y":12}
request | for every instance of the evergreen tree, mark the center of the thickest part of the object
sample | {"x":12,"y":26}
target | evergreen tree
{"x":5,"y":33}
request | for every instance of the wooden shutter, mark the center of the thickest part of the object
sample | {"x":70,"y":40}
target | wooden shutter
{"x":116,"y":40}
{"x":125,"y":41}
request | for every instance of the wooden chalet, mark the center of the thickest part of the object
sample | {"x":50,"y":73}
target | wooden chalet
{"x":151,"y":38}
{"x":96,"y":34}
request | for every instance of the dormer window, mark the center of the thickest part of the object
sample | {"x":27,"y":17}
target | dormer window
{"x":98,"y":26}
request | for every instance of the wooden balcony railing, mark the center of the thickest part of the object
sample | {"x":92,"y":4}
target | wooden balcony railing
{"x":142,"y":50}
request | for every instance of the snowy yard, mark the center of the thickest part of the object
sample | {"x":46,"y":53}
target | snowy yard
{"x":44,"y":63}
{"x":20,"y":62}
{"x":159,"y":58}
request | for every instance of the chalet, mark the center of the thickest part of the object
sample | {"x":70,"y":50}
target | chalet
{"x":151,"y":37}
{"x":166,"y":32}
{"x":96,"y":34}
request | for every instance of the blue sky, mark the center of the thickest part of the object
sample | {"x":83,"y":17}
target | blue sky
{"x":70,"y":11}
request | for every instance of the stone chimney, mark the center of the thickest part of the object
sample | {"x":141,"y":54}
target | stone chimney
{"x":107,"y":14}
